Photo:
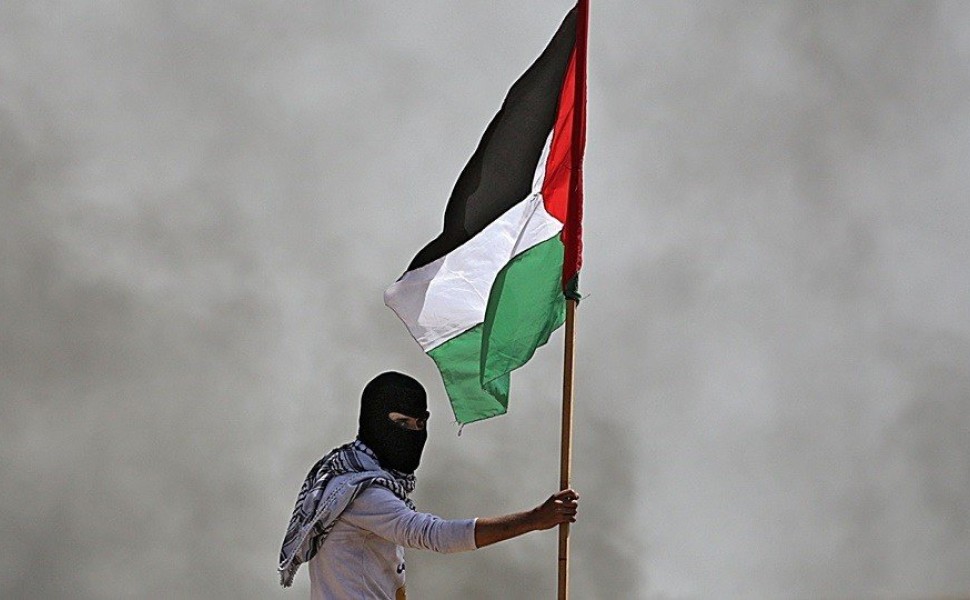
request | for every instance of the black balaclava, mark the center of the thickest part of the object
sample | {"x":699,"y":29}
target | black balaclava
{"x":396,"y":448}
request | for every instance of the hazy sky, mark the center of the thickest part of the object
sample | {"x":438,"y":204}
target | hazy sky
{"x":202,"y":203}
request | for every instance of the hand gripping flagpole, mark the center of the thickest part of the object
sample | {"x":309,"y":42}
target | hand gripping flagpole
{"x":572,"y":294}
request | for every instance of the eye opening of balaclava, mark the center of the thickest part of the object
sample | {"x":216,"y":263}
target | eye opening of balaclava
{"x":396,"y":447}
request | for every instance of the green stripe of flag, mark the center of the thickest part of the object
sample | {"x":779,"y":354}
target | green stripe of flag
{"x":526,"y":305}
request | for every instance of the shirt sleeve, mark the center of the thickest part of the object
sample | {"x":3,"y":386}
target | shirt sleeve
{"x":379,"y":511}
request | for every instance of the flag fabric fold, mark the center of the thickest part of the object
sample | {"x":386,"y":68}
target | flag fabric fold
{"x":491,"y":288}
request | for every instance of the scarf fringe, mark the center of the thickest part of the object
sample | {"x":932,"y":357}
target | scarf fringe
{"x":288,"y":574}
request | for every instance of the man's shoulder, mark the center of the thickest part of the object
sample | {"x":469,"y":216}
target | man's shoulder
{"x":377,"y":500}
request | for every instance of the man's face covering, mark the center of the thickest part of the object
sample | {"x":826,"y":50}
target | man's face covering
{"x":396,"y":447}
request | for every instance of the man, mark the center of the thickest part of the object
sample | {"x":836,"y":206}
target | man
{"x":353,"y":516}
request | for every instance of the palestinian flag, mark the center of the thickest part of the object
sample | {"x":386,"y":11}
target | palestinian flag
{"x":483,"y":295}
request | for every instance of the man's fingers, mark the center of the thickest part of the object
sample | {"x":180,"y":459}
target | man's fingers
{"x":567,"y":494}
{"x":566,"y":508}
{"x":567,"y":497}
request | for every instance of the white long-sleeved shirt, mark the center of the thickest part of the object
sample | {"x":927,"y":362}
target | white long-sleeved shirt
{"x":363,"y":557}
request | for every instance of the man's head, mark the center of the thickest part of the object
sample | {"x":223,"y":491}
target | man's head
{"x":393,"y":417}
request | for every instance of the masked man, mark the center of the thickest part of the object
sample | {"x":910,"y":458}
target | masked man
{"x":353,"y":516}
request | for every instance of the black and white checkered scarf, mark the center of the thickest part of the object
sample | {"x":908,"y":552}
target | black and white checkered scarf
{"x":316,"y":513}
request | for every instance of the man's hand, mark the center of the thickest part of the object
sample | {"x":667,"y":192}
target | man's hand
{"x":559,"y":508}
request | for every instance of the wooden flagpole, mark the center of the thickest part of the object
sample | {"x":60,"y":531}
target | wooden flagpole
{"x":572,"y":299}
{"x":566,"y":454}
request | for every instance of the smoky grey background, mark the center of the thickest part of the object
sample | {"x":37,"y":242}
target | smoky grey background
{"x":202,"y":203}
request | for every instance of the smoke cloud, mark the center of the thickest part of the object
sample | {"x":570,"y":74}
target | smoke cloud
{"x":202,"y":203}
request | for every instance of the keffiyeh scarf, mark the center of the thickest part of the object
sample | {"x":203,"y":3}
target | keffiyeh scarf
{"x":317,"y":508}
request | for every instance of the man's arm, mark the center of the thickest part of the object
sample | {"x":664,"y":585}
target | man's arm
{"x":379,"y":511}
{"x":559,"y":508}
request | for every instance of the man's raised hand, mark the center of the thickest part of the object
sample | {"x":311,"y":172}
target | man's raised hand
{"x":560,"y":508}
